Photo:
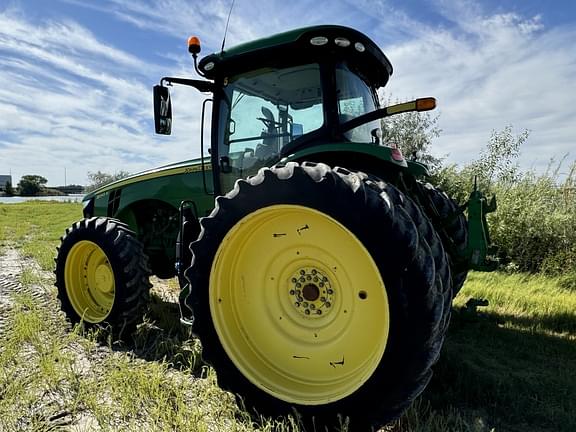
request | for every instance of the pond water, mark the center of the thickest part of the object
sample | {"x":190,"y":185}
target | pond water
{"x":64,"y":198}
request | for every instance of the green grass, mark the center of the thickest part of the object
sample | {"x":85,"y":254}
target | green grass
{"x":509,"y":366}
{"x":512,"y":362}
{"x":36,"y":227}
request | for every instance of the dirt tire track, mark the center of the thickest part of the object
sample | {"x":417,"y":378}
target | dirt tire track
{"x":11,"y":268}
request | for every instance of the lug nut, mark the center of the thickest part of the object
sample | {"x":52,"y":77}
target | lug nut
{"x":307,"y":311}
{"x":298,"y":285}
{"x":302,"y":272}
{"x":318,"y":312}
{"x":314,"y":272}
{"x":293,"y":280}
{"x":328,"y":304}
{"x":330,"y":291}
{"x":297,"y":304}
{"x":292,"y":292}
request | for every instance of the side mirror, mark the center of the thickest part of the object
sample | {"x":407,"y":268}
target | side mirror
{"x":162,"y":110}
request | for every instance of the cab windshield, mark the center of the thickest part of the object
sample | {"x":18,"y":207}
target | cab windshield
{"x":263,"y":111}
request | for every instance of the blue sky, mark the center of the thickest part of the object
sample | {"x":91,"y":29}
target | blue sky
{"x":76,"y":75}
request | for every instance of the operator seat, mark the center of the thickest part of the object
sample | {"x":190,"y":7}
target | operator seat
{"x":269,"y":145}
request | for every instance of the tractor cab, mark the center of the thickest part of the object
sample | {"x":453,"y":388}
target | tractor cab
{"x":278,"y":96}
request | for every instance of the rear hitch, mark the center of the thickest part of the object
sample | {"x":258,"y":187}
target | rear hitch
{"x":480,"y":248}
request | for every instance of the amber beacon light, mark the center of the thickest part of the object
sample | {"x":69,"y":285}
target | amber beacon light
{"x":194,"y":45}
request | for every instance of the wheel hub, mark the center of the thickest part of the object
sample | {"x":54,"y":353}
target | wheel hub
{"x":311,"y":292}
{"x":104,"y":278}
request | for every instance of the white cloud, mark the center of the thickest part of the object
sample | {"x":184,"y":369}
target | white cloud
{"x":71,"y":101}
{"x":488,"y":72}
{"x":248,"y":21}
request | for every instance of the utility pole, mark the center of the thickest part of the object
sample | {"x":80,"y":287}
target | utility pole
{"x":65,"y":182}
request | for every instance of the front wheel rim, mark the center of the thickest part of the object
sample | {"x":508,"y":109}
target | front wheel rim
{"x":299,"y":304}
{"x":89,"y":280}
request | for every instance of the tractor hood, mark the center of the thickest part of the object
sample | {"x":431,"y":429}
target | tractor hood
{"x":185,"y":167}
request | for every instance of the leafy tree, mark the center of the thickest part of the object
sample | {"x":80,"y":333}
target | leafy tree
{"x":498,"y":162}
{"x":98,"y":179}
{"x":496,"y":166}
{"x":30,"y":185}
{"x":413,"y":132}
{"x":9,"y":190}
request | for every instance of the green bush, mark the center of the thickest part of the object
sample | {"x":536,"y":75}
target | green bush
{"x":534,"y":227}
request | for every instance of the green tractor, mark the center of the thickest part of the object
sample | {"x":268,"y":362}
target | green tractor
{"x":316,"y":264}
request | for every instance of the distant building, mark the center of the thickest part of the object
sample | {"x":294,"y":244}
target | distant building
{"x":3,"y":180}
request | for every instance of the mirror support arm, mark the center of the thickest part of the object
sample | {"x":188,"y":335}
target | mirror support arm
{"x":202,"y":86}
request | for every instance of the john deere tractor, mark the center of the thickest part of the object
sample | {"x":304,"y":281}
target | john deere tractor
{"x":316,"y":264}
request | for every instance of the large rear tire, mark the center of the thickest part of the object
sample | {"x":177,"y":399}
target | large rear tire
{"x":453,"y":229}
{"x":321,"y":290}
{"x":102,"y":274}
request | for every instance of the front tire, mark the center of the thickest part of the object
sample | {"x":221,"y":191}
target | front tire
{"x":102,"y":274}
{"x":313,"y":289}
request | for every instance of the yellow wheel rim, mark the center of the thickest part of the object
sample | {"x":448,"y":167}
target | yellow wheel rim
{"x":89,"y":280}
{"x":299,"y":304}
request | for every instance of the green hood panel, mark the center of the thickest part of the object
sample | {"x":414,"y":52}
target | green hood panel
{"x":185,"y":167}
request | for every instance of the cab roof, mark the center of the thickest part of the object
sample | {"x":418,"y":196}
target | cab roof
{"x":296,"y":47}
